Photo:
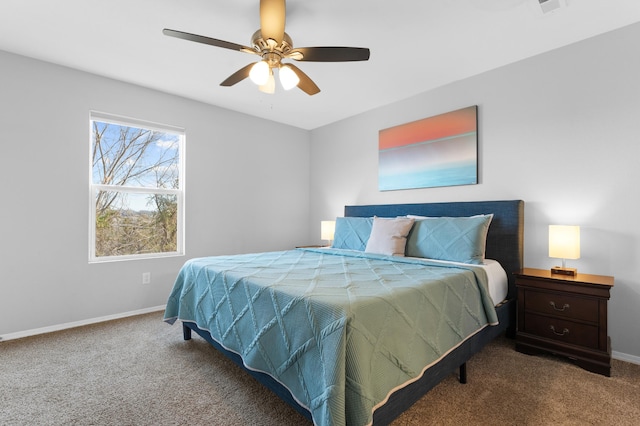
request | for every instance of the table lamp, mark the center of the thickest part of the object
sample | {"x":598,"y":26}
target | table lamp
{"x":564,"y":243}
{"x":327,"y":230}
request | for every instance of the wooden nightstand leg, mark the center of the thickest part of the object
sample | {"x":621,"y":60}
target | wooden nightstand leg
{"x":529,"y":350}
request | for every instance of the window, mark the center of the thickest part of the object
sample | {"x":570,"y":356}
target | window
{"x":137,"y":189}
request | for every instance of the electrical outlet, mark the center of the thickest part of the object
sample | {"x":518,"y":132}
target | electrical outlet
{"x":146,"y":277}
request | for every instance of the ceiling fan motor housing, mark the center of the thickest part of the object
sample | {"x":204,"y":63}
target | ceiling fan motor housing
{"x":268,"y":46}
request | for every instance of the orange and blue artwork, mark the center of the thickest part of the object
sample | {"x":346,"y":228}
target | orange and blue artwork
{"x":432,"y":152}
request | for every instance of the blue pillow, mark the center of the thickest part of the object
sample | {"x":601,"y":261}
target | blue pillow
{"x":457,"y":239}
{"x":352,"y":233}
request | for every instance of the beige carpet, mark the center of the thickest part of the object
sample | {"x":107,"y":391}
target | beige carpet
{"x":139,"y":371}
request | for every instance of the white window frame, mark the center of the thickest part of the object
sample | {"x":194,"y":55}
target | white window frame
{"x":95,"y":188}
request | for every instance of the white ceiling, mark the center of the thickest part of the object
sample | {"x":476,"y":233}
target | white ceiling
{"x":416,"y":45}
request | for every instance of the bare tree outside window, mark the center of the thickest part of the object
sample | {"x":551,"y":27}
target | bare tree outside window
{"x":136,"y":189}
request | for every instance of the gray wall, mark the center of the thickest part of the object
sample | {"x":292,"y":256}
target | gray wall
{"x":243,"y":193}
{"x":559,"y":131}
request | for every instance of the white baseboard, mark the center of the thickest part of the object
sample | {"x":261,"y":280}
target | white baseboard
{"x":59,"y":327}
{"x":625,"y":357}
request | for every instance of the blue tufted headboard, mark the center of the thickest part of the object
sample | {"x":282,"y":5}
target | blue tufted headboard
{"x":505,"y":240}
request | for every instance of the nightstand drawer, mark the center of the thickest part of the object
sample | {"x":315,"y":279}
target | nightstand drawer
{"x":562,"y":330}
{"x":562,"y":305}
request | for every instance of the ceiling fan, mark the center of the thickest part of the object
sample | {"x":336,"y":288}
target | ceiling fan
{"x":273,"y":45}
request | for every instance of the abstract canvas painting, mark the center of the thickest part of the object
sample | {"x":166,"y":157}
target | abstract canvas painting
{"x":435,"y":151}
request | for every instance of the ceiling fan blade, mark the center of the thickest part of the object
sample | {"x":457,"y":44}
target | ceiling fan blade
{"x":208,"y":40}
{"x":272,"y":19}
{"x":329,"y":54}
{"x":306,"y":84}
{"x":238,"y":76}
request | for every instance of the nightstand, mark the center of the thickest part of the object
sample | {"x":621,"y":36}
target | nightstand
{"x":566,"y":316}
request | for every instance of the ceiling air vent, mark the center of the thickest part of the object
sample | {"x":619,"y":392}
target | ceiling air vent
{"x":549,"y":6}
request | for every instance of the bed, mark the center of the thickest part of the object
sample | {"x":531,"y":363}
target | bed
{"x":342,"y":334}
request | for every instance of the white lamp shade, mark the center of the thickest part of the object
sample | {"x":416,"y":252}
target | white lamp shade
{"x":564,"y":241}
{"x":259,"y":73}
{"x":270,"y":86}
{"x":327,"y":229}
{"x":288,"y":78}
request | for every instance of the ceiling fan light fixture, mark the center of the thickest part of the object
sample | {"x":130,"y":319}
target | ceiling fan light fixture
{"x":260,"y":73}
{"x":288,"y":78}
{"x":270,"y":85}
{"x":273,"y":44}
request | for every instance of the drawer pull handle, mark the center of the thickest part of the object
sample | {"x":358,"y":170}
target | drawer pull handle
{"x":564,"y":331}
{"x":565,"y":306}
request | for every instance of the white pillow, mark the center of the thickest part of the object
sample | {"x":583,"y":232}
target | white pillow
{"x":389,"y":236}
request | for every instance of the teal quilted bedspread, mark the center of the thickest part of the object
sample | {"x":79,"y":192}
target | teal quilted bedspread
{"x":340,"y":329}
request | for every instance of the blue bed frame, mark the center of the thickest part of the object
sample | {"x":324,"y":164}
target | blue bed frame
{"x":505,"y":243}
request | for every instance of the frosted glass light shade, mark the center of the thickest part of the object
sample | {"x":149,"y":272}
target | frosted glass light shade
{"x":270,"y":86}
{"x":327,"y":229}
{"x":259,"y":73}
{"x":564,"y":241}
{"x":288,"y":78}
